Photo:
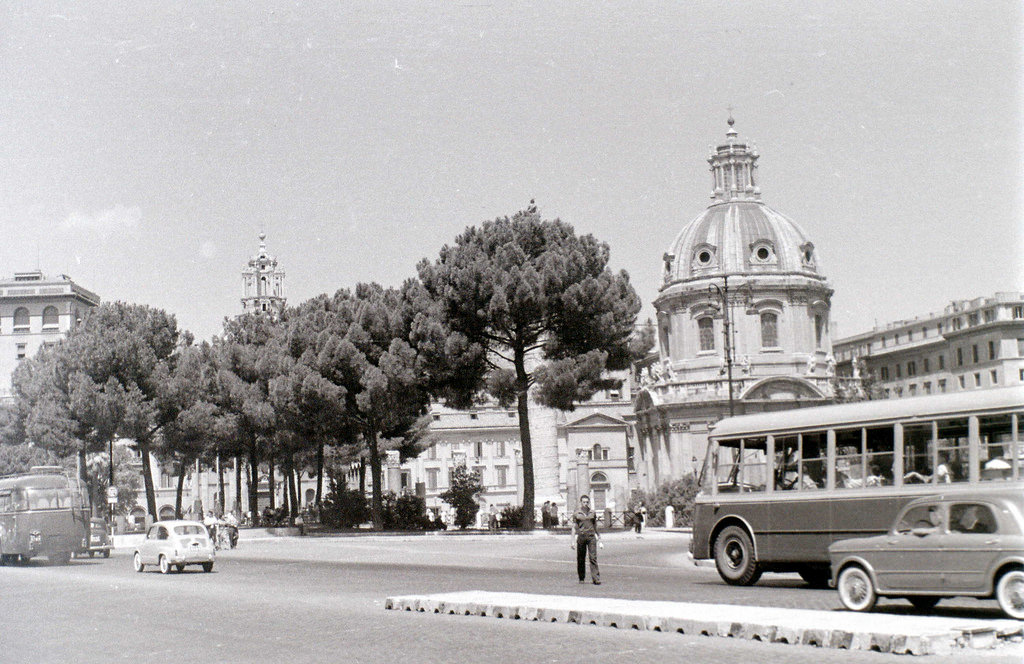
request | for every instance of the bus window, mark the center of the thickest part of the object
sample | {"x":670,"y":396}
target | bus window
{"x":787,"y":463}
{"x":879,"y":445}
{"x":813,"y":450}
{"x":917,"y":453}
{"x":849,"y":458}
{"x":6,"y":504}
{"x":951,"y":448}
{"x":755,"y":464}
{"x":996,"y":451}
{"x":727,"y":468}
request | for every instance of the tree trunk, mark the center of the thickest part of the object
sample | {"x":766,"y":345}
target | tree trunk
{"x":270,"y":480}
{"x":177,"y":494}
{"x":298,"y":488}
{"x":293,"y":505}
{"x":522,"y":397}
{"x":362,"y":476}
{"x":286,"y":493}
{"x":147,"y":478}
{"x":377,"y":503}
{"x":319,"y":474}
{"x":254,"y":485}
{"x":83,"y":477}
{"x":220,"y":480}
{"x":238,"y":485}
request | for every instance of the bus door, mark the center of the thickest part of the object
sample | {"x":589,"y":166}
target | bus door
{"x":800,"y":510}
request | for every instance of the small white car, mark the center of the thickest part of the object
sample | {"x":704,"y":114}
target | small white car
{"x":174,"y":544}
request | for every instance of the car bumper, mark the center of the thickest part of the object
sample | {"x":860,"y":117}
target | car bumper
{"x":191,"y":557}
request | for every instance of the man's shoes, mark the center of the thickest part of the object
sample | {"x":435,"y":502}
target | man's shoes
{"x":597,"y":583}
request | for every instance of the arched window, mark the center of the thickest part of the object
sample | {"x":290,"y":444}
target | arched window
{"x":820,"y":330}
{"x":50,"y":317}
{"x":21,"y":319}
{"x":769,"y":330}
{"x":706,"y":330}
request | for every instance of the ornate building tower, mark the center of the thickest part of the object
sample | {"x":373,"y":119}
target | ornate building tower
{"x":743,"y":321}
{"x":264,"y":283}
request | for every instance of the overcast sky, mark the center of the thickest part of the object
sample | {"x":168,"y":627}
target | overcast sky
{"x":142,"y":152}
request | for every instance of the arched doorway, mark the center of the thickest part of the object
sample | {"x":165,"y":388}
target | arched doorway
{"x":599,"y":489}
{"x":166,"y":513}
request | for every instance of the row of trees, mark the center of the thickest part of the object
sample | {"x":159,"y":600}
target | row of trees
{"x":515,"y":307}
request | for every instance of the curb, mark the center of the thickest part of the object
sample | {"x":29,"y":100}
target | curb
{"x":825,"y":629}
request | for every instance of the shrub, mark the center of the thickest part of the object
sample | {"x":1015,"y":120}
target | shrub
{"x":511,"y":517}
{"x":679,"y":494}
{"x":465,"y":487}
{"x":343,"y":507}
{"x":406,"y":512}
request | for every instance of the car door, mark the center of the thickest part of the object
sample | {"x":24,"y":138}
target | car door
{"x":147,"y":550}
{"x":911,"y":557}
{"x":973,"y":546}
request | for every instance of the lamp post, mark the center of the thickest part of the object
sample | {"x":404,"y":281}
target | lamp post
{"x":722,"y":292}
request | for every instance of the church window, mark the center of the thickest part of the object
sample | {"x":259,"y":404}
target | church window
{"x":991,"y":350}
{"x":50,"y":317}
{"x":704,"y":257}
{"x":974,"y":353}
{"x":21,"y":319}
{"x":706,"y":329}
{"x":820,"y":328}
{"x":769,"y":330}
{"x":959,"y":357}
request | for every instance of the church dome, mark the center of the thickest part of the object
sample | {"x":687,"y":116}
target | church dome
{"x":737,"y":233}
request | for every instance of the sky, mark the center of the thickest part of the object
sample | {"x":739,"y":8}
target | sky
{"x":142,"y":152}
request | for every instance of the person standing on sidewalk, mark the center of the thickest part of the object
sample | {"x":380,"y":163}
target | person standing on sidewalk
{"x":639,"y":517}
{"x":586,"y":539}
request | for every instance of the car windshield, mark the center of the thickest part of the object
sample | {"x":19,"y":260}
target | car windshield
{"x":920,"y":516}
{"x":189,"y":530}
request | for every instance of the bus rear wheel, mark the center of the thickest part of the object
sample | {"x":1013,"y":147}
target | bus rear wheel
{"x":734,"y":557}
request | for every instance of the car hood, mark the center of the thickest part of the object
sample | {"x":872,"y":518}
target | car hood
{"x":857,"y":544}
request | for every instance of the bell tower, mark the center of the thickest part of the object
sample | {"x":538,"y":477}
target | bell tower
{"x":263,"y":281}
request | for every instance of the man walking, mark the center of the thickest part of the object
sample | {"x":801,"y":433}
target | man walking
{"x":585,"y":539}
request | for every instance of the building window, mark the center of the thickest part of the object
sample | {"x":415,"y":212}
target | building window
{"x":50,"y":317}
{"x":501,"y":473}
{"x":885,"y":373}
{"x":957,"y":323}
{"x":474,"y":416}
{"x":963,"y":382}
{"x":927,"y":387}
{"x":478,"y":449}
{"x":21,"y":319}
{"x":899,"y":371}
{"x":706,"y":330}
{"x":990,"y":315}
{"x":942,"y":385}
{"x":926,"y":367}
{"x":912,"y":389}
{"x":432,"y":474}
{"x":972,"y":320}
{"x":942,"y":362}
{"x":499,"y":449}
{"x":21,"y":351}
{"x":911,"y":368}
{"x":432,"y":452}
{"x":938,"y":329}
{"x":977,"y":379}
{"x":910,"y":335}
{"x":769,"y":330}
{"x":959,"y":357}
{"x":630,"y":451}
{"x":1018,"y":312}
{"x":991,"y":350}
{"x":974,"y":353}
{"x":994,"y":375}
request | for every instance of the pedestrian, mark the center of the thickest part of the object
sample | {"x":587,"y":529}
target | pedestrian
{"x":554,"y":515}
{"x":639,"y":516}
{"x":586,"y":540}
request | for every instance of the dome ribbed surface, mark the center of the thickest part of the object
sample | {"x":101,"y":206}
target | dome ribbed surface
{"x":732,"y":233}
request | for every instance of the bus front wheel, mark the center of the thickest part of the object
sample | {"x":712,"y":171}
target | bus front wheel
{"x":734,"y":557}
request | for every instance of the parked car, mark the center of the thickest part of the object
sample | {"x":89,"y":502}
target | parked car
{"x":99,"y":539}
{"x":939,"y":546}
{"x":175,"y":544}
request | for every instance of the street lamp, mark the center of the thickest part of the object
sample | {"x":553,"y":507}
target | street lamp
{"x":722,"y":292}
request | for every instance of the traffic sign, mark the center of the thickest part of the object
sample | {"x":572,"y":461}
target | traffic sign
{"x":111,"y":494}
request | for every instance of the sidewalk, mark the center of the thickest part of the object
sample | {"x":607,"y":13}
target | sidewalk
{"x":914,"y":635}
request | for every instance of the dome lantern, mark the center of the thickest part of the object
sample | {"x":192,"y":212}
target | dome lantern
{"x":733,"y":169}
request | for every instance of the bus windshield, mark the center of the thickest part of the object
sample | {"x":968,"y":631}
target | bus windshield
{"x":50,"y":499}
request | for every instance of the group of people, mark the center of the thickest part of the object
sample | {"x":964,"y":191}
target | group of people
{"x":549,"y":515}
{"x":223,"y":530}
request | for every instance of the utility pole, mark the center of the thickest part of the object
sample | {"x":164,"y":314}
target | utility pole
{"x":722,"y":293}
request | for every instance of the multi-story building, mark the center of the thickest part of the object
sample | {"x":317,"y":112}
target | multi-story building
{"x":969,"y":345}
{"x":35,"y":311}
{"x":743,"y":321}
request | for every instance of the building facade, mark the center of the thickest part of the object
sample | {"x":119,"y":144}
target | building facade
{"x":969,"y":345}
{"x":35,"y":311}
{"x":743,"y":321}
{"x":263,"y":283}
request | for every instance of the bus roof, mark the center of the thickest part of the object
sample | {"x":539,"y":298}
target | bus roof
{"x":861,"y":412}
{"x":35,"y":481}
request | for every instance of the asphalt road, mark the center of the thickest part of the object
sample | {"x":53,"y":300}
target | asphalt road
{"x":321,"y":600}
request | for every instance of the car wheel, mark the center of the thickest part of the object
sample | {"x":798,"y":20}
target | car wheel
{"x":165,"y":565}
{"x":734,"y":557}
{"x":180,"y":568}
{"x":137,"y":562}
{"x":924,"y":602}
{"x":1010,"y":593}
{"x":856,"y":591}
{"x":207,"y":567}
{"x":106,"y":553}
